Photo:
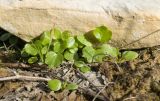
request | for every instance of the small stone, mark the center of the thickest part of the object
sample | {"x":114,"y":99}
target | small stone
{"x":104,"y":79}
{"x":65,"y":70}
{"x":28,"y":87}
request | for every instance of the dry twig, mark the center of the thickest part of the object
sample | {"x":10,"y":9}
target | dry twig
{"x":141,"y":38}
{"x":119,"y":68}
{"x":21,"y":77}
{"x":101,"y":92}
{"x":129,"y":98}
{"x":27,"y":78}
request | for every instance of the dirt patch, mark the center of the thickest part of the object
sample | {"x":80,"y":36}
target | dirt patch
{"x":140,"y":79}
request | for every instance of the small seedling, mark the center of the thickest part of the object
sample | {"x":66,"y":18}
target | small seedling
{"x":56,"y":85}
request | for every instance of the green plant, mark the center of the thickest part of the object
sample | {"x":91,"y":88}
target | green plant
{"x":56,"y":85}
{"x":53,"y":47}
{"x":113,"y":54}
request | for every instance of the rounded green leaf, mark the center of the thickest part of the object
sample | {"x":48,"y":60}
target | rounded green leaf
{"x":5,"y":36}
{"x":75,"y":44}
{"x":79,"y":63}
{"x":38,"y":44}
{"x":112,"y":51}
{"x":103,"y":48}
{"x":32,"y":60}
{"x":56,"y":33}
{"x":55,"y":84}
{"x":69,"y":42}
{"x":66,"y":35}
{"x":99,"y":55}
{"x":44,"y":50}
{"x":53,"y":60}
{"x":69,"y":56}
{"x":88,"y":53}
{"x":129,"y":55}
{"x":59,"y":46}
{"x":80,"y":45}
{"x":83,"y":40}
{"x":102,"y":34}
{"x":85,"y":69}
{"x":73,"y":50}
{"x":30,"y":49}
{"x":72,"y":86}
{"x":46,"y":38}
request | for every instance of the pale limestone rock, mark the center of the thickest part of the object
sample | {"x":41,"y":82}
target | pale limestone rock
{"x":129,"y":20}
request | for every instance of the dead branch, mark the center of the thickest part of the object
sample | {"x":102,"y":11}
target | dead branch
{"x":129,"y":98}
{"x":26,"y":78}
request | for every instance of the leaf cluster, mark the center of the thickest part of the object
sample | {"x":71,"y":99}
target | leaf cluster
{"x":53,"y":47}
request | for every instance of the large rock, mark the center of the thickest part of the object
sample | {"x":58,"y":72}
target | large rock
{"x":131,"y":21}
